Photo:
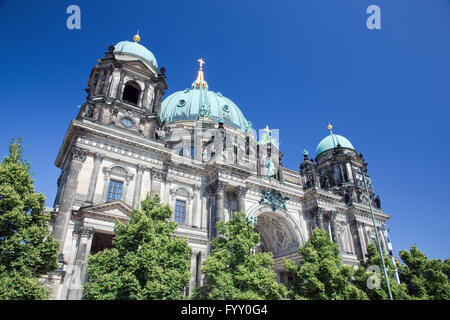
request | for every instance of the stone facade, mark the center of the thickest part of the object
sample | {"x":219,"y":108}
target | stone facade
{"x":115,"y":139}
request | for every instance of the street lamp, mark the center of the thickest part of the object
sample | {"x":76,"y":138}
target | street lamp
{"x":364,"y":176}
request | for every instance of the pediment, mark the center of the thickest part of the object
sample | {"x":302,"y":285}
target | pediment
{"x":108,"y":210}
{"x":138,"y":64}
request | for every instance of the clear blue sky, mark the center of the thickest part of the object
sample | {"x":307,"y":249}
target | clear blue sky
{"x":293,"y":65}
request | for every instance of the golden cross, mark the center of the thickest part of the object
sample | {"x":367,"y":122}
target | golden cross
{"x":267,"y":130}
{"x":201,"y":62}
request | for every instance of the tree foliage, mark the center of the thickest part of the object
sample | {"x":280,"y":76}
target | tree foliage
{"x":233,"y":272}
{"x":27,"y":249}
{"x":425,"y":279}
{"x":321,"y":275}
{"x":146,"y":262}
{"x":378,"y":289}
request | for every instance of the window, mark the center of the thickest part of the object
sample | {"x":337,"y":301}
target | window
{"x":180,"y":211}
{"x":114,"y":190}
{"x":131,"y":93}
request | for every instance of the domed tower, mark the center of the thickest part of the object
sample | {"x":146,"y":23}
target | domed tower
{"x":340,"y":169}
{"x":108,"y":156}
{"x":125,"y":89}
{"x":207,"y":126}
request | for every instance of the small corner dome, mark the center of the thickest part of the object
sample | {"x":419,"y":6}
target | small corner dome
{"x":136,"y":50}
{"x":186,"y":105}
{"x":331,"y":142}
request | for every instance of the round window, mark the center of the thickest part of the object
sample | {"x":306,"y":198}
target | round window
{"x":127,"y":122}
{"x":181,"y":103}
{"x":226,"y":108}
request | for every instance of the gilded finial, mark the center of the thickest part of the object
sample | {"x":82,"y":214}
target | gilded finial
{"x":267,"y":130}
{"x":136,"y":37}
{"x":330,"y":127}
{"x":200,"y":81}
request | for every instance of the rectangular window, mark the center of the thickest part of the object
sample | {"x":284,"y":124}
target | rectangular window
{"x":180,"y":211}
{"x":114,"y":190}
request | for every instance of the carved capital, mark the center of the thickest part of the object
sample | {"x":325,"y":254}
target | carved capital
{"x":331,"y":215}
{"x":160,"y":175}
{"x":140,"y":168}
{"x":241,"y":192}
{"x":219,"y":186}
{"x":78,"y":154}
{"x":98,"y":157}
{"x":86,"y":232}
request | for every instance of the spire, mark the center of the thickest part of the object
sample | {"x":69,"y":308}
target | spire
{"x":200,"y":81}
{"x":136,"y":37}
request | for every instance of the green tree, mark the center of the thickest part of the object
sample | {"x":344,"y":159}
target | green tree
{"x":27,"y":249}
{"x":378,"y":288}
{"x":321,"y":275}
{"x":146,"y":262}
{"x":233,"y":272}
{"x":425,"y":279}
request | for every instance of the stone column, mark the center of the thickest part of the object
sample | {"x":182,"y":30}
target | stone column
{"x":76,"y":157}
{"x":141,"y":96}
{"x":205,"y":210}
{"x":362,"y":240}
{"x":200,"y":259}
{"x":167,"y":183}
{"x":100,"y":81}
{"x":349,"y":172}
{"x":120,"y":87}
{"x":98,"y":158}
{"x":76,"y":285}
{"x":197,"y":209}
{"x":241,"y":192}
{"x":193,"y":269}
{"x":219,"y":191}
{"x":332,"y":219}
{"x":317,"y":213}
{"x":137,"y":189}
{"x":106,"y":82}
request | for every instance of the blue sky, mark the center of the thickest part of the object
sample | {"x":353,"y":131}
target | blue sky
{"x":293,"y":65}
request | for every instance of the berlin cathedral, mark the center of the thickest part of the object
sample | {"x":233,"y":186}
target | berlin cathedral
{"x":198,"y":152}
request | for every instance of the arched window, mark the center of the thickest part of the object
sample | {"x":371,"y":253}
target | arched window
{"x":131,"y":93}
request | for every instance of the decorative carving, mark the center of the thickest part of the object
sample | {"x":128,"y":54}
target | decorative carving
{"x":377,"y":202}
{"x":205,"y":112}
{"x":219,"y":186}
{"x":348,"y":195}
{"x":78,"y":154}
{"x":252,"y":220}
{"x":274,"y":199}
{"x":241,"y":192}
{"x":98,"y":157}
{"x":140,"y":168}
{"x":159,"y":174}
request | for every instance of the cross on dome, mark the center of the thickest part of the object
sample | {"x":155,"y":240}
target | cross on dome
{"x":200,"y":82}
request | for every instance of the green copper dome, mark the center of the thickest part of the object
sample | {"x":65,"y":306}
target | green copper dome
{"x":136,"y":50}
{"x":331,"y":142}
{"x":187,"y":105}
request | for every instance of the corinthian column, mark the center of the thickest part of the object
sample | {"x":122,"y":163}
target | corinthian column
{"x":197,"y":209}
{"x":137,"y":189}
{"x":76,"y":157}
{"x":79,"y":269}
{"x":219,"y":190}
{"x":241,"y":192}
{"x":98,"y":158}
{"x":317,"y":213}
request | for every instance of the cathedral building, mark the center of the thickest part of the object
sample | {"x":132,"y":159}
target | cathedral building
{"x":198,"y":152}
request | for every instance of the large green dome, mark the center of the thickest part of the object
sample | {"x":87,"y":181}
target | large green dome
{"x":331,"y":142}
{"x":186,"y":105}
{"x":136,"y":50}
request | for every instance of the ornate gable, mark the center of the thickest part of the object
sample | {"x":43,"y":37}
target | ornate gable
{"x":109,"y":211}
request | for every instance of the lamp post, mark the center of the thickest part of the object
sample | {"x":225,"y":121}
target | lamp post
{"x":363,"y":174}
